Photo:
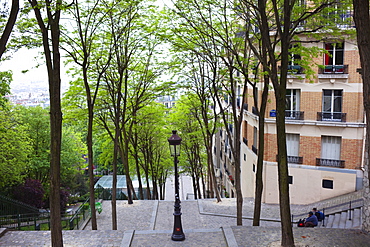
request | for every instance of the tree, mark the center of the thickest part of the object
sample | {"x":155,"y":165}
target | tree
{"x":151,"y":148}
{"x":187,"y":117}
{"x":87,"y":25}
{"x":31,"y":192}
{"x":14,"y":149}
{"x":50,"y":32}
{"x":36,"y":121}
{"x":277,"y":24}
{"x":214,"y":26}
{"x":5,"y":79}
{"x":362,"y":20}
{"x":9,"y":26}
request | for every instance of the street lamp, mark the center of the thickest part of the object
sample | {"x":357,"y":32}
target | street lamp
{"x":178,"y":234}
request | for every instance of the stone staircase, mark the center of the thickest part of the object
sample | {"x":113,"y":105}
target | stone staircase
{"x":343,"y":212}
{"x":350,"y":219}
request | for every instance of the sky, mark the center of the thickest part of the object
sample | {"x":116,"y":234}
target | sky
{"x":24,"y":59}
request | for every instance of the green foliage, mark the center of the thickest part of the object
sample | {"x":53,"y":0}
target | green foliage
{"x":5,"y":80}
{"x":15,"y":148}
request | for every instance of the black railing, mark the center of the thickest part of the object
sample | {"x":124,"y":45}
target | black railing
{"x":245,"y":140}
{"x":332,"y":116}
{"x":294,"y":115}
{"x":254,"y":110}
{"x":254,"y":149}
{"x":330,"y":162}
{"x":295,"y":69}
{"x":293,"y":159}
{"x":334,"y":69}
{"x":338,"y":208}
{"x":245,"y":106}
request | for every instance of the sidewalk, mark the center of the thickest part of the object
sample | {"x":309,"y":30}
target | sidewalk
{"x":150,"y":223}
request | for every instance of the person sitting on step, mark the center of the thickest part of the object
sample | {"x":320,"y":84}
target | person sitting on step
{"x":311,"y":221}
{"x":320,"y":215}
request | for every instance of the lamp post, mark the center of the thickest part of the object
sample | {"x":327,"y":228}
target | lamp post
{"x":178,"y":234}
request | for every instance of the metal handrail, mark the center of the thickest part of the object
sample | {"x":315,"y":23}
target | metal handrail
{"x":358,"y":202}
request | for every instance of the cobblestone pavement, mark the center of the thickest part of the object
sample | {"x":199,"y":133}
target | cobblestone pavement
{"x":205,"y":223}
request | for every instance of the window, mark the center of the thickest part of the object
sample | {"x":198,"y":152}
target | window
{"x":292,"y":104}
{"x":292,"y":144}
{"x":332,"y":105}
{"x":254,"y":168}
{"x":245,"y":157}
{"x":294,"y":56}
{"x":255,"y":141}
{"x":255,"y":137}
{"x":333,"y":59}
{"x":330,"y":147}
{"x":327,"y":184}
{"x":245,"y":132}
{"x":290,"y":179}
{"x":339,"y":14}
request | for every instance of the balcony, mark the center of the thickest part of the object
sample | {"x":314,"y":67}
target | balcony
{"x":294,"y":115}
{"x":334,"y":69}
{"x":293,"y":159}
{"x":245,"y":106}
{"x":254,"y":149}
{"x":331,"y":116}
{"x":330,"y":162}
{"x":254,"y":110}
{"x":295,"y":69}
{"x":245,"y":140}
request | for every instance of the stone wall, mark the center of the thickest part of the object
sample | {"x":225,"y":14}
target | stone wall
{"x":366,"y":194}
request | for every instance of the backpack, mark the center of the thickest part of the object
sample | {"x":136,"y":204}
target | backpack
{"x":320,"y":215}
{"x":300,"y":223}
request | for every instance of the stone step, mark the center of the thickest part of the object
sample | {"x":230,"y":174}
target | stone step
{"x":336,"y":220}
{"x":349,"y":221}
{"x":329,"y":221}
{"x":356,"y":218}
{"x":343,"y":219}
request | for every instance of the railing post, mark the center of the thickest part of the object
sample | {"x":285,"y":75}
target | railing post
{"x":292,"y":219}
{"x":19,"y":221}
{"x":323,"y":220}
{"x":350,"y":208}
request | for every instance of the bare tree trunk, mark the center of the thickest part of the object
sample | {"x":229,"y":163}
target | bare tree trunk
{"x":261,"y":145}
{"x":52,"y":57}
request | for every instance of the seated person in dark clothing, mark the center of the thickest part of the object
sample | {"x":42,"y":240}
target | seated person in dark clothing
{"x":320,"y":215}
{"x":311,"y":221}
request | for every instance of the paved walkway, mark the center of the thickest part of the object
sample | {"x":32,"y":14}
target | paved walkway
{"x":205,"y":223}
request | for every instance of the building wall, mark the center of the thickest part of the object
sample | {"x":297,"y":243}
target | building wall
{"x":307,"y":183}
{"x":307,"y":186}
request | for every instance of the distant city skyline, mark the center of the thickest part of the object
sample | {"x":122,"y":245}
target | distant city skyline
{"x":35,"y":77}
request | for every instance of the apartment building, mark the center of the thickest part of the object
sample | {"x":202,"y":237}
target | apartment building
{"x":325,"y":131}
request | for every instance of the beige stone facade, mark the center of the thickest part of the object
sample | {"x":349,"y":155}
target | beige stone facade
{"x":326,"y":130}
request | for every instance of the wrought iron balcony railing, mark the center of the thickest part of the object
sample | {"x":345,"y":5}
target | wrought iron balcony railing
{"x":330,"y":162}
{"x":334,"y":69}
{"x":294,"y":115}
{"x":245,"y":106}
{"x":293,"y":159}
{"x":254,"y":149}
{"x":245,"y":140}
{"x":331,"y":116}
{"x":254,"y":111}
